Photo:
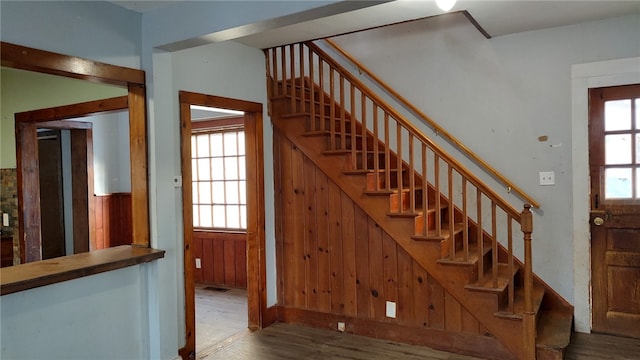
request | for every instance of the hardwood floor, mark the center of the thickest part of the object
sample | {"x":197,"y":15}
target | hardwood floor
{"x":219,"y":315}
{"x":221,"y":333}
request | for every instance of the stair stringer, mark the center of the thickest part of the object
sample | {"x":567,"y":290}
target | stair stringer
{"x":453,"y":278}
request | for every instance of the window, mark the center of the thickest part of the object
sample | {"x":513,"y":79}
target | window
{"x":219,"y":179}
{"x":622,"y":148}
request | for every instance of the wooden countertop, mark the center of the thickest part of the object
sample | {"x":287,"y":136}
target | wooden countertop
{"x":51,"y":271}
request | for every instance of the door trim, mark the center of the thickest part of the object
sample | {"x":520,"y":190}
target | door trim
{"x":584,"y":77}
{"x":256,"y":265}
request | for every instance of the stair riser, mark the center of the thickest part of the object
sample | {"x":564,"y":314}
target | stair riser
{"x":393,"y":181}
{"x":402,"y":202}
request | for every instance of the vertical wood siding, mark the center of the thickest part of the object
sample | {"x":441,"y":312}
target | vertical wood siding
{"x":113,"y":220}
{"x":332,"y":258}
{"x":223,"y":258}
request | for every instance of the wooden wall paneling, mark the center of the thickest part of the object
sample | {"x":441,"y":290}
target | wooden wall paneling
{"x":335,"y":249}
{"x":278,"y":214}
{"x":405,"y":306}
{"x":363,"y":290}
{"x":349,"y":255}
{"x":241,"y":262}
{"x":299,"y":298}
{"x":470,"y":323}
{"x":198,"y":274}
{"x":229,"y":256}
{"x":288,"y":225}
{"x":99,"y":215}
{"x":436,"y":308}
{"x":138,"y":149}
{"x":324,"y":260}
{"x":29,"y":192}
{"x":214,"y":253}
{"x":311,"y":240}
{"x":209,"y":263}
{"x":376,"y":271}
{"x":390,"y":266}
{"x":453,"y":313}
{"x":422,"y":296}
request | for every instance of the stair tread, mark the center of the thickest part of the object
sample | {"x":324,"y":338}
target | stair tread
{"x":486,"y":283}
{"x":432,"y":235}
{"x":518,"y":302}
{"x":554,"y":329}
{"x":459,"y":257}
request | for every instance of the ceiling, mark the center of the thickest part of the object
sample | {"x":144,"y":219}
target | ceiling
{"x":493,"y":17}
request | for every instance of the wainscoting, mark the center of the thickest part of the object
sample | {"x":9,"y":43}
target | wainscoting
{"x":223,"y":258}
{"x":112,"y":220}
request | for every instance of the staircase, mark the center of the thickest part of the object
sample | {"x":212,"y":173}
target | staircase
{"x":456,"y":227}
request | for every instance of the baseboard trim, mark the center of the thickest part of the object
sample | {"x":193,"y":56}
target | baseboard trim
{"x":456,"y":342}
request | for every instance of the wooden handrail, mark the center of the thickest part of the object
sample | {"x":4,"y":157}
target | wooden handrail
{"x":418,"y":133}
{"x":437,"y":128}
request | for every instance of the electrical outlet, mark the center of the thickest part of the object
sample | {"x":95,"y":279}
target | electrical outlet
{"x":177,"y":181}
{"x":391,"y":309}
{"x":341,"y":326}
{"x":5,"y":219}
{"x":547,"y":178}
{"x":198,"y":263}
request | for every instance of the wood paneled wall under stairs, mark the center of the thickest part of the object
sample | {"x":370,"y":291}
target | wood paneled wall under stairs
{"x":113,"y":220}
{"x":333,"y":259}
{"x":223,"y":258}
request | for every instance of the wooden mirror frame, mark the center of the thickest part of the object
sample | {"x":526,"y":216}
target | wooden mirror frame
{"x":21,"y":57}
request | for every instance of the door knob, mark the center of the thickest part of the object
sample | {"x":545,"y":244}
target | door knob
{"x":598,"y":221}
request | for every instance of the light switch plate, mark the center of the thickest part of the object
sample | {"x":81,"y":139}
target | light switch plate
{"x":547,"y":178}
{"x":198,"y":263}
{"x":177,"y":181}
{"x":5,"y":219}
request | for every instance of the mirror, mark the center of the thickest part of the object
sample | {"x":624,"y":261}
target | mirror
{"x":118,"y":171}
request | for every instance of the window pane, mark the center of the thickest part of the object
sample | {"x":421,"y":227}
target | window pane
{"x":617,"y":115}
{"x":194,"y":195}
{"x":193,"y":146}
{"x":638,"y":113}
{"x":203,"y":169}
{"x":216,"y":169}
{"x":233,"y":216}
{"x":243,"y":192}
{"x":216,"y":144}
{"x":231,"y":168}
{"x":205,"y":215}
{"x":203,"y":146}
{"x":617,"y":149}
{"x":218,"y":192}
{"x":218,"y":216}
{"x":240,"y":142}
{"x":637,"y":183}
{"x":196,"y":217}
{"x":230,"y":143}
{"x":194,"y":169}
{"x":243,"y":217}
{"x":242,"y":168}
{"x":637,"y":148}
{"x":205,"y":193}
{"x":232,"y":192}
{"x":618,"y":183}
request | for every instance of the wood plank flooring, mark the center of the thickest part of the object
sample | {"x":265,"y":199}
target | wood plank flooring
{"x":221,"y":333}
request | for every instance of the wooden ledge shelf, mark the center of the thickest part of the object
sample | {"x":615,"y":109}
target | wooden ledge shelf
{"x":51,"y":271}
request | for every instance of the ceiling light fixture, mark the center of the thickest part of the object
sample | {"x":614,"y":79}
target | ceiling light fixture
{"x":445,"y":5}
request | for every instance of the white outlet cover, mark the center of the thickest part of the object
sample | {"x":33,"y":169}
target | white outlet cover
{"x":547,"y":178}
{"x":198,"y":263}
{"x":391,"y":309}
{"x":341,"y":326}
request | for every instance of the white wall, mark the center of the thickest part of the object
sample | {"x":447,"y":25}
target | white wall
{"x":498,"y":96}
{"x":225,"y":69}
{"x":106,"y":315}
{"x":97,"y":317}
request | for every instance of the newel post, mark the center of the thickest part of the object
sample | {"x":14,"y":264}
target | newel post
{"x":526,"y":224}
{"x":529,"y":318}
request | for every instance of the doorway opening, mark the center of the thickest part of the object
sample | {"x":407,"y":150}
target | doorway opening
{"x":217,"y":213}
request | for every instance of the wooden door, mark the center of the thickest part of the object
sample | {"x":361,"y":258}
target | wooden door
{"x":614,"y":159}
{"x":51,"y":199}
